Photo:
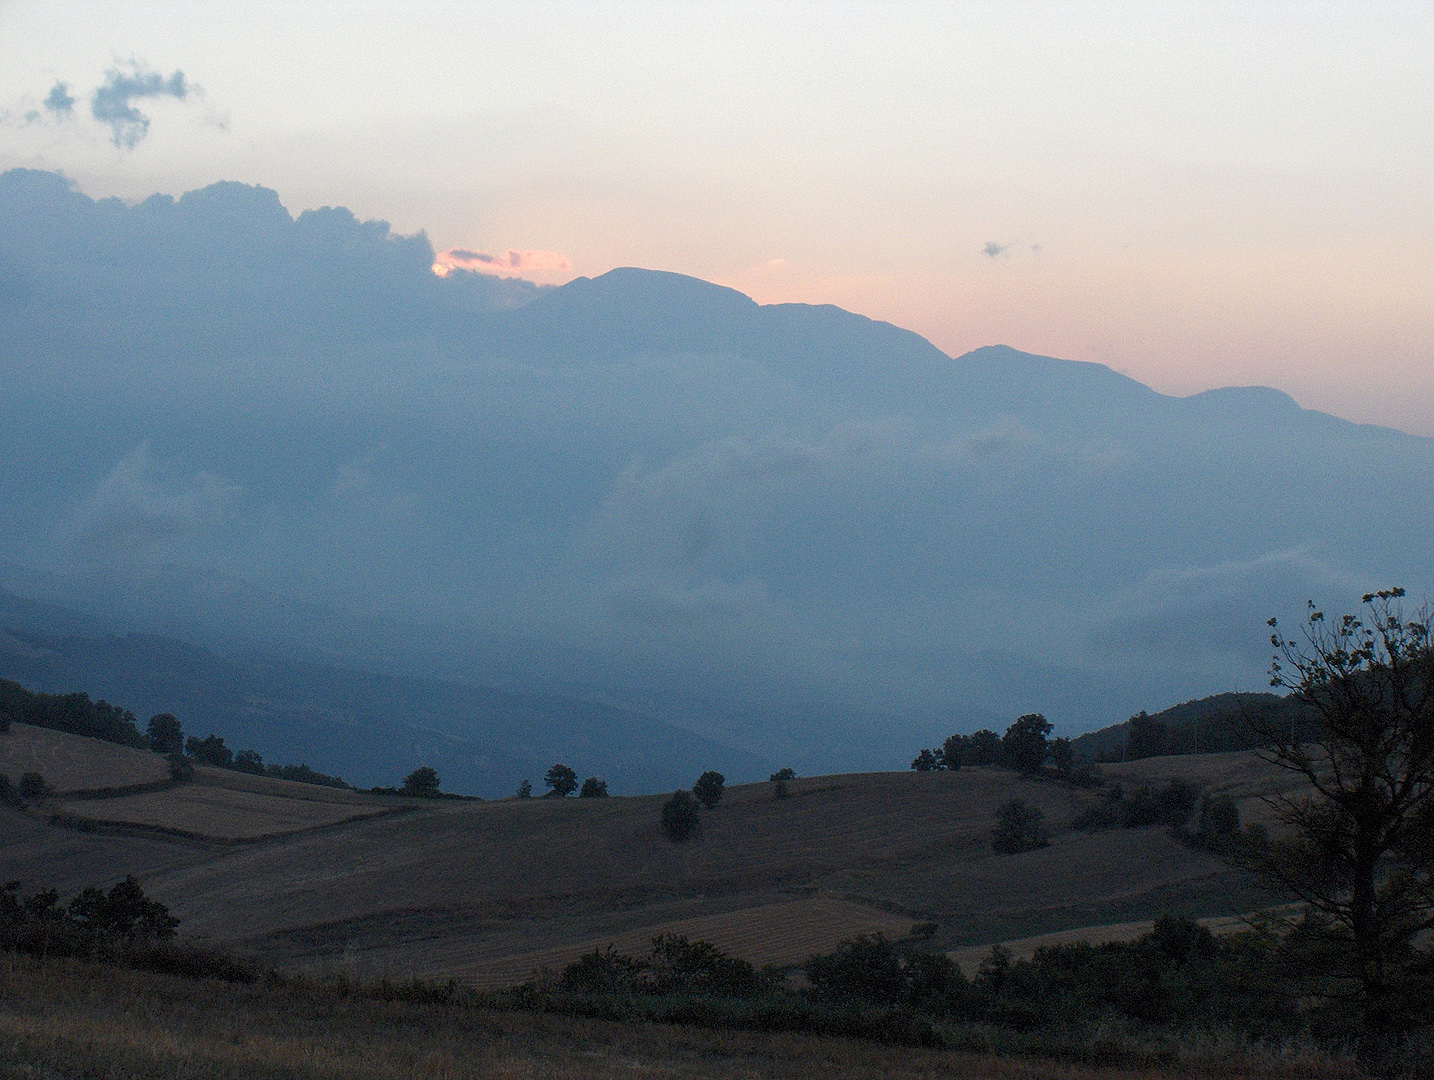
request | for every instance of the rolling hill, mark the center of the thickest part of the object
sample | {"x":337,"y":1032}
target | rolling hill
{"x":308,"y":877}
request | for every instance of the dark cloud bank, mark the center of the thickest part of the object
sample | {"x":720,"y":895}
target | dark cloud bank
{"x":804,"y":536}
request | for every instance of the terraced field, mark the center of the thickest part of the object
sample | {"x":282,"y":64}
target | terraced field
{"x":71,"y":763}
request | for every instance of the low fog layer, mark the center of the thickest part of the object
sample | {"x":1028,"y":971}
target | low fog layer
{"x":789,"y":528}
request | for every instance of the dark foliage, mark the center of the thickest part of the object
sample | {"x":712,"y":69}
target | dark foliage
{"x":561,"y":781}
{"x":73,"y":713}
{"x":680,"y":819}
{"x":1206,"y":726}
{"x":780,"y":780}
{"x":8,"y":795}
{"x":525,"y":789}
{"x":210,"y":750}
{"x":1018,"y":828}
{"x":708,"y":788}
{"x":1024,"y":746}
{"x":675,"y":966}
{"x":302,"y":774}
{"x":874,"y":970}
{"x":928,"y":761}
{"x":1359,"y":848}
{"x":423,"y":782}
{"x":1171,"y":806}
{"x":120,"y":926}
{"x":165,"y":734}
{"x":33,"y":787}
{"x":1062,"y":758}
{"x":593,"y":788}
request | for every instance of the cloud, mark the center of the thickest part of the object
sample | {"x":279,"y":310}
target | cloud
{"x":111,"y":102}
{"x":142,"y":503}
{"x":509,"y":263}
{"x":60,"y":103}
{"x":994,"y":250}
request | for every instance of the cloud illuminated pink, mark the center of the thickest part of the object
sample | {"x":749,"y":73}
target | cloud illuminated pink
{"x":510,"y":263}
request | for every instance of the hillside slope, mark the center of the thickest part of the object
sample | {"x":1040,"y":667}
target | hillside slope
{"x":488,"y":891}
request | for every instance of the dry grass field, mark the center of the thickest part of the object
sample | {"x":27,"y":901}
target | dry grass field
{"x":65,"y":1020}
{"x":313,"y":878}
{"x":71,"y":763}
{"x":214,"y":806}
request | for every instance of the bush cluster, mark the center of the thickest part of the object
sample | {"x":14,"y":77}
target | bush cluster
{"x":119,"y":925}
{"x":675,"y":966}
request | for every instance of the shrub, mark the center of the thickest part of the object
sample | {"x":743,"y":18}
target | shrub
{"x":679,"y":817}
{"x":561,"y":781}
{"x":525,"y":789}
{"x":874,"y":970}
{"x":593,"y":788}
{"x":1018,"y":828}
{"x":708,"y":788}
{"x":33,"y":787}
{"x":1218,"y":826}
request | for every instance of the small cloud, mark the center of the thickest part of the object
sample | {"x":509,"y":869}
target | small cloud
{"x":509,"y":263}
{"x":111,"y":102}
{"x":994,"y":250}
{"x":144,"y":502}
{"x":59,"y":102}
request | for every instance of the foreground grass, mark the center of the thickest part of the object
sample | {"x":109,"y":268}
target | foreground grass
{"x":64,"y":1019}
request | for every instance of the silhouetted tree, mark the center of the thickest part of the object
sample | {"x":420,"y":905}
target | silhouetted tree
{"x":561,"y":781}
{"x":1024,"y":746}
{"x":1145,"y":737}
{"x":210,"y":750}
{"x":122,"y":913}
{"x":780,"y":779}
{"x":1018,"y":828}
{"x":926,"y":761}
{"x":680,"y":818}
{"x":249,"y":761}
{"x":1358,"y":844}
{"x":593,"y":788}
{"x":525,"y":789}
{"x":954,"y":752}
{"x":981,"y":748}
{"x":165,"y":734}
{"x":708,"y":788}
{"x":1062,"y":757}
{"x":422,"y":782}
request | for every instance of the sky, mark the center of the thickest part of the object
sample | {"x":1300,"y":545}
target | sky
{"x":1198,"y":195}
